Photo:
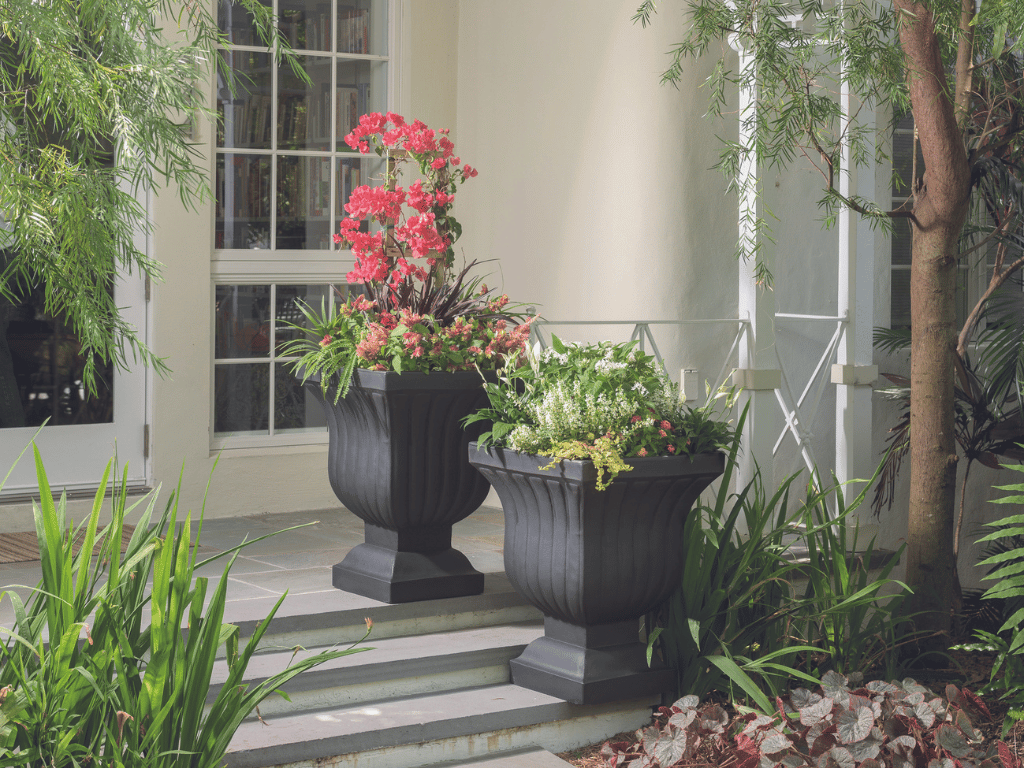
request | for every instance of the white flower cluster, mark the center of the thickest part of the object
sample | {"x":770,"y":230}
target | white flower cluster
{"x":567,"y":412}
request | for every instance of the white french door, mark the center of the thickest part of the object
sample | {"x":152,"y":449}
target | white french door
{"x":40,"y":380}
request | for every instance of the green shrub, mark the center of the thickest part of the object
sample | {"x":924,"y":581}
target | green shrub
{"x":1007,"y":677}
{"x":737,"y":619}
{"x":98,"y":671}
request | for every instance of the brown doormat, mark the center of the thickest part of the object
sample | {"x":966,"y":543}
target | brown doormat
{"x":23,"y":547}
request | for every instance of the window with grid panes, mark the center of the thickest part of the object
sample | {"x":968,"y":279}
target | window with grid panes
{"x":282,"y":176}
{"x":903,"y":149}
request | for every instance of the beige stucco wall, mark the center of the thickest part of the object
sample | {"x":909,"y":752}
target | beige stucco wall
{"x":594,"y":199}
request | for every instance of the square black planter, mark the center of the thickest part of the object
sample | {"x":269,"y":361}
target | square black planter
{"x":398,"y":461}
{"x":593,"y":562}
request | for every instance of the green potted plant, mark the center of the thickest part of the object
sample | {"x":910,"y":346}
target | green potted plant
{"x":597,"y":463}
{"x":396,"y":370}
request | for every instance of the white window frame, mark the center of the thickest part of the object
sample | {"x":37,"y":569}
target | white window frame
{"x":238,"y":266}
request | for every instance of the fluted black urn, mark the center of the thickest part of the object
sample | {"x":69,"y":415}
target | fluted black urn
{"x":398,"y":461}
{"x":593,"y":562}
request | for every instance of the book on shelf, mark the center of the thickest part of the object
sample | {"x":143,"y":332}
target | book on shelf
{"x":319,"y":186}
{"x":353,"y":30}
{"x":347,"y":110}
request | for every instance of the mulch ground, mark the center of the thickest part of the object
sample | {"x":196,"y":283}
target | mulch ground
{"x":966,"y":670}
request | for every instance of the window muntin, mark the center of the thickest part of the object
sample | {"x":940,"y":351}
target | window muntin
{"x":255,"y":392}
{"x":282,"y":176}
{"x":280,"y":182}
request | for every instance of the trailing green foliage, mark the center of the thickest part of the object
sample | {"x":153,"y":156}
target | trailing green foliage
{"x":878,"y":725}
{"x":97,"y":103}
{"x":97,"y":670}
{"x":1007,"y":677}
{"x":603,"y":402}
{"x":770,"y":593}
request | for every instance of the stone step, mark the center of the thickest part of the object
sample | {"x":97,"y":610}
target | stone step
{"x":394,"y":667}
{"x":431,"y":729}
{"x":333,"y":617}
{"x":528,"y":758}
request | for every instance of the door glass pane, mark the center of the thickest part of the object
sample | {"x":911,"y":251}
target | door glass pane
{"x":244,"y":116}
{"x":362,"y":87}
{"x":240,"y":398}
{"x":287,"y":313}
{"x":236,"y":22}
{"x":304,"y":109}
{"x":362,"y":26}
{"x":303,"y":203}
{"x":41,"y":369}
{"x":295,"y":409}
{"x":243,"y":201}
{"x":242,"y":321}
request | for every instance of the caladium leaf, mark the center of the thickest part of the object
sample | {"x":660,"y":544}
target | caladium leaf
{"x":854,"y":725}
{"x":925,"y":714}
{"x":775,"y":742}
{"x":801,"y":698}
{"x":687,"y":702}
{"x":671,"y":747}
{"x":950,"y":739}
{"x":837,"y":757}
{"x":822,"y":710}
{"x":683,"y":719}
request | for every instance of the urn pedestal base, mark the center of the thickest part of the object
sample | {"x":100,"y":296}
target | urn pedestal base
{"x":590,"y":665}
{"x":406,"y":566}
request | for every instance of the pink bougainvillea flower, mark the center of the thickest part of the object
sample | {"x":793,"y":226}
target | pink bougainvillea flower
{"x":419,"y":199}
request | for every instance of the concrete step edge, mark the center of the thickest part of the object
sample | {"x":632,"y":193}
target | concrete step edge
{"x":387,"y":726}
{"x":394,"y":658}
{"x":333,"y":616}
{"x":520,"y":758}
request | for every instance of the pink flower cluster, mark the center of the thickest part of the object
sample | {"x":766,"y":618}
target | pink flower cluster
{"x":384,"y":257}
{"x":461,"y":346}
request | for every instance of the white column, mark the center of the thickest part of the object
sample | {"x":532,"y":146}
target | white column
{"x":854,"y":373}
{"x":758,"y":370}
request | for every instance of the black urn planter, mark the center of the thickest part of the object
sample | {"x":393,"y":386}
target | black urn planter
{"x":398,"y":461}
{"x":593,"y":562}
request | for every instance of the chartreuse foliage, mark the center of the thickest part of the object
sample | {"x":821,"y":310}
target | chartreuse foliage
{"x":604,"y":402}
{"x":1007,"y":678}
{"x":842,"y":724}
{"x":770,"y":594}
{"x":97,"y":670}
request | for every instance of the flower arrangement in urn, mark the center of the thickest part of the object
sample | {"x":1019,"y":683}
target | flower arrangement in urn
{"x":592,"y":537}
{"x":403,"y":360}
{"x":603,"y":402}
{"x":418,"y":313}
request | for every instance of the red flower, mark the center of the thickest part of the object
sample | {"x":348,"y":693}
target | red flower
{"x":670,"y":448}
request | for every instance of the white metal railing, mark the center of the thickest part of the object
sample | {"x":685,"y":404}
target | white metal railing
{"x":789,"y":405}
{"x":642,"y":334}
{"x":793,"y":408}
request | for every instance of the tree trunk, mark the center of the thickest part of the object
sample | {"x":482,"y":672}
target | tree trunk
{"x":930,"y":558}
{"x":941,"y":201}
